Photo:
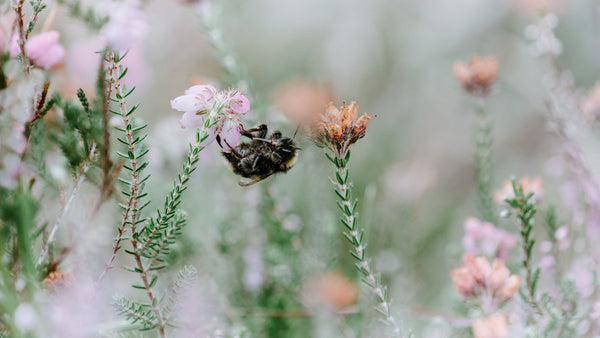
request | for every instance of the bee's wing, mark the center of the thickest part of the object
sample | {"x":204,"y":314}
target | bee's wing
{"x":245,"y":181}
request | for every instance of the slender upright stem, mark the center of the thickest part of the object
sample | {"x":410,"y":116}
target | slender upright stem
{"x":65,"y":208}
{"x":22,"y":35}
{"x":130,"y":215}
{"x":483,"y":162}
{"x":354,"y":234}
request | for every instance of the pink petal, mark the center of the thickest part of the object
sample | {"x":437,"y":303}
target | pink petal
{"x":230,"y":135}
{"x":43,"y":49}
{"x":204,"y":91}
{"x":190,"y":119}
{"x":240,"y":104}
{"x":186,"y":103}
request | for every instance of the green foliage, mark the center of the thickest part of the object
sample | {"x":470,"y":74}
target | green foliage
{"x":86,"y":14}
{"x":17,"y":221}
{"x":483,"y":165}
{"x":526,"y":210}
{"x":79,"y":131}
{"x":136,"y":313}
{"x":38,"y":6}
{"x":354,"y":234}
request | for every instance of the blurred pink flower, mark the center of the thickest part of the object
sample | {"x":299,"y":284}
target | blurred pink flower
{"x":82,"y":62}
{"x":10,"y":171}
{"x":489,"y":285}
{"x":200,"y":100}
{"x":493,"y":326}
{"x":42,"y":49}
{"x":483,"y":238}
{"x":126,"y":25}
{"x":582,"y":271}
{"x":18,"y":141}
{"x":535,"y":185}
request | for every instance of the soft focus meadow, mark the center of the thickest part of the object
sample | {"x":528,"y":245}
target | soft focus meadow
{"x":140,"y":198}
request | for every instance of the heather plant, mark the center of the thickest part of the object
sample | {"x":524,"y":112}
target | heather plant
{"x":183,"y":169}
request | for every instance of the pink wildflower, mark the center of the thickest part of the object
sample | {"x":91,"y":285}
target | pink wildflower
{"x":42,"y":49}
{"x":200,"y":100}
{"x":10,"y":171}
{"x":493,"y":326}
{"x":483,"y":238}
{"x":489,"y":285}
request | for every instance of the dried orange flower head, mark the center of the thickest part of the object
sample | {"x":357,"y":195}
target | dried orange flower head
{"x":333,"y":290}
{"x":338,"y":129}
{"x":478,"y":75}
{"x":57,"y":278}
{"x":301,"y":100}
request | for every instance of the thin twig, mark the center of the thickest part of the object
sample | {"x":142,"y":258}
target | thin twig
{"x":22,"y":36}
{"x":130,"y":216}
{"x":81,"y":177}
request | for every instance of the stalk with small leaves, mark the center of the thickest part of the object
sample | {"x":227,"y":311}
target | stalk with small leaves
{"x":525,"y":212}
{"x":337,"y":130}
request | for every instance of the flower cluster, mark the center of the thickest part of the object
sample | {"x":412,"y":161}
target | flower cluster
{"x":489,"y":285}
{"x":201,"y":102}
{"x":529,"y":185}
{"x":42,"y":49}
{"x":478,"y":75}
{"x":492,"y":326}
{"x":338,"y":129}
{"x":483,"y":238}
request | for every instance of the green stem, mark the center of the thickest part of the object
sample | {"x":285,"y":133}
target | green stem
{"x":483,"y":163}
{"x":354,"y":234}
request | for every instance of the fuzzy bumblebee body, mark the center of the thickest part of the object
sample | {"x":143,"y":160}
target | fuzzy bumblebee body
{"x":261,"y":157}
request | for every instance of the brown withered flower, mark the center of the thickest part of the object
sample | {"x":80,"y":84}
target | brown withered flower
{"x":338,"y":129}
{"x":478,"y":75}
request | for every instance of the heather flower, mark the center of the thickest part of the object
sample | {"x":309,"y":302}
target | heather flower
{"x":338,"y":129}
{"x":542,"y":36}
{"x":529,"y":185}
{"x":493,"y":326}
{"x":42,"y":49}
{"x":483,"y":238}
{"x":10,"y":171}
{"x":332,"y":290}
{"x":489,"y":285}
{"x":82,"y":61}
{"x":126,"y":25}
{"x":200,"y":100}
{"x":478,"y":75}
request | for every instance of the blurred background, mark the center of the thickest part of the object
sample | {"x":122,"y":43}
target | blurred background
{"x":413,"y":171}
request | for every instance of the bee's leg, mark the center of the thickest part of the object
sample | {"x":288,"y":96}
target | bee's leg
{"x":255,"y":162}
{"x":262,"y":131}
{"x":235,"y":152}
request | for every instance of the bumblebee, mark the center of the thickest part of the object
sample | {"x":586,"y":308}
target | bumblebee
{"x":261,"y":157}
